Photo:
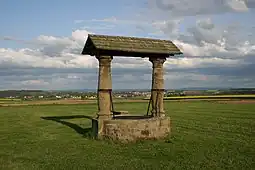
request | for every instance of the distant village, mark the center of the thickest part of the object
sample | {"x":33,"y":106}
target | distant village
{"x":86,"y":95}
{"x":46,"y":95}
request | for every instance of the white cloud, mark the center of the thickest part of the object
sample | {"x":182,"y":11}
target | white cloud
{"x":63,"y":52}
{"x":207,"y":39}
{"x":201,"y":62}
{"x":35,"y":58}
{"x":115,"y":20}
{"x":34,"y":83}
{"x":52,"y":52}
{"x":238,"y":5}
{"x":198,"y":7}
{"x":204,"y":37}
{"x":206,"y":24}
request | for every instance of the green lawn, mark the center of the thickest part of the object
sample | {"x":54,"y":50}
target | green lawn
{"x":239,"y":96}
{"x":208,"y":97}
{"x":7,"y":101}
{"x":205,"y":135}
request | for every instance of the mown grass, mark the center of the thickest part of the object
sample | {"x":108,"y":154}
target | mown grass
{"x":6,"y":100}
{"x":9,"y":99}
{"x":205,"y":135}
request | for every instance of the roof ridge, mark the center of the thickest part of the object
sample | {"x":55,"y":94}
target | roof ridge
{"x":122,"y":36}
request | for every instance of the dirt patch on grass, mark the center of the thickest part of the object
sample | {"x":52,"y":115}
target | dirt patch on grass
{"x":130,"y":100}
{"x":47,"y":102}
{"x":238,"y":102}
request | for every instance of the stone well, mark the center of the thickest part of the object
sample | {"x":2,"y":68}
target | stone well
{"x":133,"y":128}
{"x":111,"y":123}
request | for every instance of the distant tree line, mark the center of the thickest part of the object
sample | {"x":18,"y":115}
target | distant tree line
{"x":239,"y":91}
{"x":20,"y":93}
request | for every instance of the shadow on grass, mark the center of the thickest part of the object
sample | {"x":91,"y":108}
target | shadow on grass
{"x":85,"y":132}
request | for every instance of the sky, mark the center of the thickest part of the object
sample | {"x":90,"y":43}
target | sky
{"x":41,"y":42}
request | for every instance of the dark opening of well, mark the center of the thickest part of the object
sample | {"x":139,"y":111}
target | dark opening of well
{"x":133,"y":117}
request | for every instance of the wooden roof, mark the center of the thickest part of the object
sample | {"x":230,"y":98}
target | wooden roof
{"x":128,"y":46}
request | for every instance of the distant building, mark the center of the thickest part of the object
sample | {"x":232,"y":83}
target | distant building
{"x":58,"y":97}
{"x":192,"y":92}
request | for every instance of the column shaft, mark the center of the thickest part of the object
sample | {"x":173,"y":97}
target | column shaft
{"x":104,"y":87}
{"x":157,"y":91}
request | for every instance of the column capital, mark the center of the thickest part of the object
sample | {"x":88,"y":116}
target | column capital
{"x":157,"y":61}
{"x":104,"y":60}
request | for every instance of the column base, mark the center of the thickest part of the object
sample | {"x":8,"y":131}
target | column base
{"x":161,"y":114}
{"x":101,"y":117}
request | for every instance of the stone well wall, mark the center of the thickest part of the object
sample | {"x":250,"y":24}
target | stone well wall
{"x":131,"y":129}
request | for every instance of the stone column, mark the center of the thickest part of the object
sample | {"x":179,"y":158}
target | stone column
{"x":104,"y":87}
{"x":157,"y":90}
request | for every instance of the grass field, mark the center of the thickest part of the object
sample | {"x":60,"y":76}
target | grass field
{"x":205,"y":135}
{"x":5,"y":100}
{"x":250,"y":96}
{"x":208,"y":97}
{"x":8,"y":99}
